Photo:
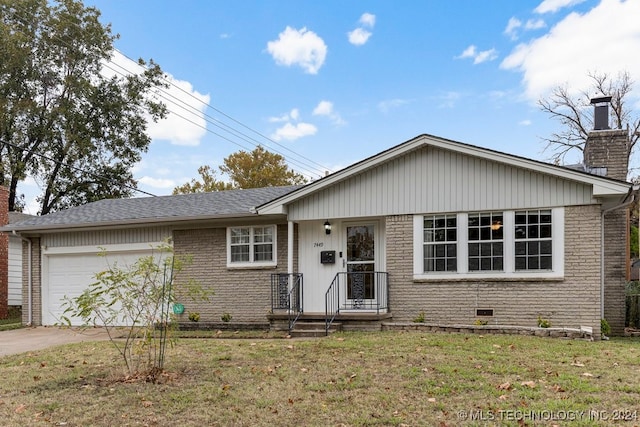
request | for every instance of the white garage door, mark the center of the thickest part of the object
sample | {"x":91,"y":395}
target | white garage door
{"x":69,"y":274}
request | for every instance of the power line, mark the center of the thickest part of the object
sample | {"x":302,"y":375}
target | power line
{"x":213,"y":121}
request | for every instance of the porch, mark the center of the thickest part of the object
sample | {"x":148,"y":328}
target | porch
{"x":356,"y":300}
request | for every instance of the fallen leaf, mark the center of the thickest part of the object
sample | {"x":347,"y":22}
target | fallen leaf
{"x":147,"y":403}
{"x":252,"y":344}
{"x":578,"y":364}
{"x":20,"y":409}
{"x":530,"y":384}
{"x":505,"y":386}
{"x":431,"y":399}
{"x":290,"y":347}
{"x":503,"y":397}
{"x":512,"y":347}
{"x":303,"y":369}
{"x":36,"y":378}
{"x":290,"y":401}
{"x":497,"y":346}
{"x":557,"y":389}
{"x":43,"y":364}
{"x":587,"y":374}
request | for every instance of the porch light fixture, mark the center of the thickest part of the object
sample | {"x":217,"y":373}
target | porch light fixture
{"x":327,"y":227}
{"x":496,"y":225}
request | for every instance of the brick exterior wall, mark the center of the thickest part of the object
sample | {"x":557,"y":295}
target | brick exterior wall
{"x":571,"y":302}
{"x":4,"y":254}
{"x":243,"y":293}
{"x":609,"y":148}
{"x":36,"y":282}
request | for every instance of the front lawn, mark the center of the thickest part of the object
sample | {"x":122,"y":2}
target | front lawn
{"x":351,"y":379}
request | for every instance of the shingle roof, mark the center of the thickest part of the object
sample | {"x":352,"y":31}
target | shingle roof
{"x":142,"y":210}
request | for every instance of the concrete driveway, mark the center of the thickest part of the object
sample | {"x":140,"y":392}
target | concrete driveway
{"x":29,"y":339}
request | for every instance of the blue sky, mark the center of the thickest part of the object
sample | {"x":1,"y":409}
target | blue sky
{"x":329,"y":83}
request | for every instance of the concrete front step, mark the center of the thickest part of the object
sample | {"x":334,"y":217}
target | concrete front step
{"x":313,"y":329}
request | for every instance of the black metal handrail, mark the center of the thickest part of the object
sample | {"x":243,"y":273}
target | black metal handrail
{"x":286,"y":294}
{"x":362,"y":290}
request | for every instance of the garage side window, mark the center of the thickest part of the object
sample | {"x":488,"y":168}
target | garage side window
{"x":253,"y":246}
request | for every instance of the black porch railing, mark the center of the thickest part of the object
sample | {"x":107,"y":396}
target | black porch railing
{"x":286,"y":294}
{"x":358,"y":290}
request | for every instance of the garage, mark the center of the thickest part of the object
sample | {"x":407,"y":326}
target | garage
{"x":69,"y":271}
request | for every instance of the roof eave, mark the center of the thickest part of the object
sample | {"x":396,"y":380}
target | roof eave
{"x":122,"y":223}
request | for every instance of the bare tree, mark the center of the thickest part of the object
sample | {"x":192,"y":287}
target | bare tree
{"x":574,"y":113}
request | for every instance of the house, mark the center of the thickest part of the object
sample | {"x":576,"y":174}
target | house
{"x":449,"y":231}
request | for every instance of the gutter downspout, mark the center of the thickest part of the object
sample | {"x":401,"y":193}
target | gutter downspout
{"x":29,"y":279}
{"x":629,"y":198}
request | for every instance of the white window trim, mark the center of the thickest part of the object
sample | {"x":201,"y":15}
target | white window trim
{"x":250,"y":263}
{"x":557,"y":231}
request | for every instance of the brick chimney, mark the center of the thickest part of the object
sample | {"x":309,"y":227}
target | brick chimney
{"x":605,"y":147}
{"x":4,"y":254}
{"x":608,"y":149}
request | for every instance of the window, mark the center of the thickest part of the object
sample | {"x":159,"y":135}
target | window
{"x":440,"y":243}
{"x":485,"y":234}
{"x":489,"y":245}
{"x":251,"y":246}
{"x":533,"y":240}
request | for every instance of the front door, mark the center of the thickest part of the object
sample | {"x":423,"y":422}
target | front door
{"x":360,"y":266}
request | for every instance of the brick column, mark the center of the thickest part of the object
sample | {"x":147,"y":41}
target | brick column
{"x":4,"y":254}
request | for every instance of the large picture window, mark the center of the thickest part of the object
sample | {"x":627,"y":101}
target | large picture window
{"x":489,"y":245}
{"x":251,"y":246}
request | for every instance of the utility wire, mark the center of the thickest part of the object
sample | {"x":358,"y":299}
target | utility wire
{"x":213,"y":120}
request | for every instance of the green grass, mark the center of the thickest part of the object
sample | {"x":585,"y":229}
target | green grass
{"x":351,"y":379}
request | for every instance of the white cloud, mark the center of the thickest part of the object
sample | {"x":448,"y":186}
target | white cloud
{"x":359,"y":36}
{"x":601,"y":40}
{"x":299,"y":47}
{"x":292,"y":132}
{"x":391,"y":104}
{"x":478,"y":57}
{"x":469,"y":52}
{"x":449,"y":99}
{"x":512,"y":26}
{"x":535,"y":24}
{"x":552,"y":6}
{"x":485,"y":55}
{"x":181,"y":100}
{"x":294,"y":114}
{"x":157,"y":182}
{"x":525,"y":122}
{"x":185,"y":123}
{"x":368,"y":20}
{"x":325,"y":108}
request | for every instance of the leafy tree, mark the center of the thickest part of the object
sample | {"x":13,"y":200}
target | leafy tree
{"x":256,"y":169}
{"x":62,"y":120}
{"x":209,"y":183}
{"x":135,"y":299}
{"x":575,"y":114}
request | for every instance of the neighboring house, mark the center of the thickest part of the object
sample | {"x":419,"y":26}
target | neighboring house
{"x":454,"y":231}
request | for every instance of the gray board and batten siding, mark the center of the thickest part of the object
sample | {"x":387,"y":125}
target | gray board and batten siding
{"x":431,"y":179}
